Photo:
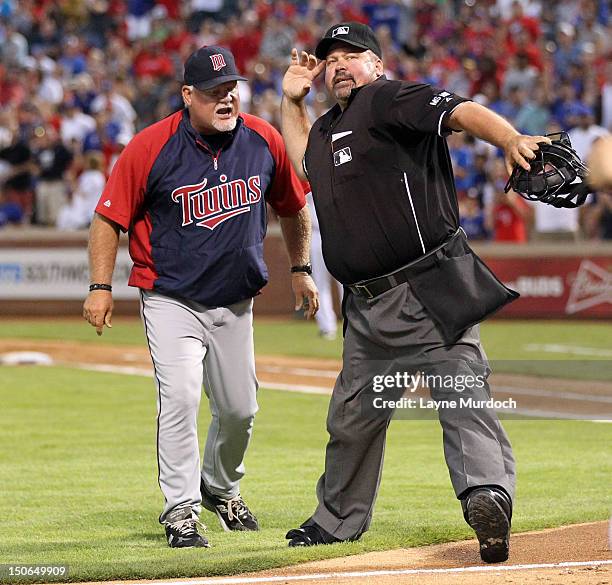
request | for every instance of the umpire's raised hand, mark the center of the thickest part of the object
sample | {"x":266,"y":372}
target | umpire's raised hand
{"x":301,"y":73}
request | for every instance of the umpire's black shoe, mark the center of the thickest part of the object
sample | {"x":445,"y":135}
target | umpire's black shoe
{"x":233,"y":514}
{"x":310,"y":536}
{"x":181,"y":529}
{"x":489,"y":512}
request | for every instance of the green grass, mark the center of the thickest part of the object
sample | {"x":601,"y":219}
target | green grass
{"x":125,"y":331}
{"x":78,"y":479}
{"x":506,"y":342}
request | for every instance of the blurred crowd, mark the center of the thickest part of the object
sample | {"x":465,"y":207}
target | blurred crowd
{"x":78,"y":78}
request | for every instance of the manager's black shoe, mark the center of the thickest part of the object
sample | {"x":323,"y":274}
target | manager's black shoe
{"x":310,"y":536}
{"x":489,"y":512}
{"x":181,"y":529}
{"x":233,"y":514}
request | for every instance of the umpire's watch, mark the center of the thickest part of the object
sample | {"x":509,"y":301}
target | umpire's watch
{"x":306,"y":268}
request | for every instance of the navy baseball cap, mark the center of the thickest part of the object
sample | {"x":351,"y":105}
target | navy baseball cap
{"x":210,"y":66}
{"x":353,"y":33}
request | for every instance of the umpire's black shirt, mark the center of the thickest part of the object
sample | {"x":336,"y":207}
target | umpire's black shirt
{"x":381,"y":178}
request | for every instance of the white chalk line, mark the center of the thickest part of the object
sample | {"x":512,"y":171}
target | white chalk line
{"x":113,"y":369}
{"x":385,"y":573}
{"x":568,"y":349}
{"x":300,"y":388}
{"x":148,"y":372}
{"x":551,"y":414}
{"x":323,"y":390}
{"x":307,"y":372}
{"x":132,"y":370}
{"x":328,"y":374}
{"x":554,"y":394}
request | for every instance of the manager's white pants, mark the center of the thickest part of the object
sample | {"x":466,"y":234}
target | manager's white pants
{"x":192,"y":345}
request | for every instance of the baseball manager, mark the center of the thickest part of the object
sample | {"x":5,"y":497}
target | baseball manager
{"x":192,"y":191}
{"x":384,"y":193}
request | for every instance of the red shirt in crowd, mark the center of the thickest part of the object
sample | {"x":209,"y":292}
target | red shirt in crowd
{"x":520,"y":24}
{"x":175,"y":42}
{"x":509,"y":224}
{"x":172,"y":8}
{"x":154,"y":63}
{"x":244,"y":46}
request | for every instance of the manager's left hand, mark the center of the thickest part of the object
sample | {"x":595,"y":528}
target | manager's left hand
{"x":306,"y":294}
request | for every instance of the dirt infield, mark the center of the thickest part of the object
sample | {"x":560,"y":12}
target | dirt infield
{"x":583,"y":542}
{"x":568,"y":555}
{"x":536,"y":558}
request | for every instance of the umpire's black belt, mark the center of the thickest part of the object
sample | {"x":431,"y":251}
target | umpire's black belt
{"x":452,"y":283}
{"x":376,"y":286}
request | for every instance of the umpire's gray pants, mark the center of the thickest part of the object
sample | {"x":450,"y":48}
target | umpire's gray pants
{"x":395,"y":326}
{"x":192,"y":345}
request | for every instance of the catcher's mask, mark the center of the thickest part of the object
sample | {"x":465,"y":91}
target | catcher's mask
{"x":557,"y":175}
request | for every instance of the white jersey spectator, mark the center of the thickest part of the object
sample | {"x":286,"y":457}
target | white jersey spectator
{"x":75,"y":126}
{"x":90,"y":184}
{"x":530,"y":7}
{"x":122,"y":111}
{"x":556,"y":225}
{"x":209,"y":6}
{"x":585,"y":132}
{"x":14,"y":47}
{"x":606,"y":99}
{"x":51,"y":87}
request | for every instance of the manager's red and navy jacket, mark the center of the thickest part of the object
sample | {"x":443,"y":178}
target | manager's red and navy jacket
{"x":197,"y":218}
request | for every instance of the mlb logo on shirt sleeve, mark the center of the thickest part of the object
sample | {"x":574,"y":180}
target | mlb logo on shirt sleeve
{"x":342,"y":156}
{"x":443,"y":95}
{"x":218,"y":62}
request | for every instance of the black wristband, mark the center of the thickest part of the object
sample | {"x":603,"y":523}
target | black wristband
{"x":100,"y":286}
{"x":306,"y":268}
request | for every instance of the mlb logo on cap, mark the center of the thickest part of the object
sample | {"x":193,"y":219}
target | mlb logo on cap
{"x":350,"y":33}
{"x":218,"y":61}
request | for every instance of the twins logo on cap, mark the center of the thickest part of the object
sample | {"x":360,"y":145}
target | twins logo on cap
{"x":218,"y":61}
{"x":341,"y":30}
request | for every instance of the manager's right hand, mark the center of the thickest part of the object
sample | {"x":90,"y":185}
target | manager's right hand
{"x":98,"y":309}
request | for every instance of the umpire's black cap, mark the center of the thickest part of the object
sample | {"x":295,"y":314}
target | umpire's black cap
{"x":353,"y":33}
{"x":211,"y":66}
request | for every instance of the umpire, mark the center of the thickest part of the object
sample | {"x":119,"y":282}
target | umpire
{"x":384,"y":193}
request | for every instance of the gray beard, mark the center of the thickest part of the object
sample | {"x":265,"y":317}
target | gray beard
{"x":343,"y":94}
{"x":224,"y":125}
